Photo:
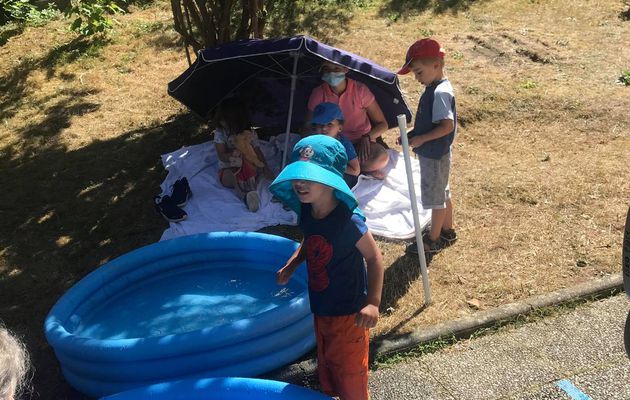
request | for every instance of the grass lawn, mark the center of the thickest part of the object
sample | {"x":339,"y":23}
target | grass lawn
{"x":540,"y":179}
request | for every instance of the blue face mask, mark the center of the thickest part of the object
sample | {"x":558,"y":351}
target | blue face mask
{"x":333,"y":78}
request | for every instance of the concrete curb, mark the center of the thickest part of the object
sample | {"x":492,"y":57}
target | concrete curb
{"x":462,"y":328}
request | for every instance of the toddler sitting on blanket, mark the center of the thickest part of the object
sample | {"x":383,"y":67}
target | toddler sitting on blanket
{"x":240,"y":158}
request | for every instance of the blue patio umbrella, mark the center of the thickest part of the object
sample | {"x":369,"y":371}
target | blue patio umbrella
{"x":275,"y":78}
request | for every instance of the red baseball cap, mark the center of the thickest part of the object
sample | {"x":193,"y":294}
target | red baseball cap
{"x":423,"y":48}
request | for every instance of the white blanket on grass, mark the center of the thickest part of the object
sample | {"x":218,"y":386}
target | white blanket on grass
{"x":214,"y":208}
{"x":387,"y":205}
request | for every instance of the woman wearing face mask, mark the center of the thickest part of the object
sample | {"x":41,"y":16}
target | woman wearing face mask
{"x":364,"y":119}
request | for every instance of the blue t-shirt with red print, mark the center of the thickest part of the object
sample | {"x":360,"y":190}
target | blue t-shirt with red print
{"x":337,"y":275}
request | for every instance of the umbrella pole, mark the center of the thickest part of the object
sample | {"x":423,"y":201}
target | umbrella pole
{"x":402,"y":125}
{"x":296,"y":56}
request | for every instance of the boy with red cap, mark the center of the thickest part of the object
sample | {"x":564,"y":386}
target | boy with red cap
{"x":431,"y":139}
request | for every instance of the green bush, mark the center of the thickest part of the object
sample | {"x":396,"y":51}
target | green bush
{"x":92,"y":17}
{"x":529,"y":83}
{"x":625,"y":77}
{"x":15,"y":10}
{"x":23,"y":12}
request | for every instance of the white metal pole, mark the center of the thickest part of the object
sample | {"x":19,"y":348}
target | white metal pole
{"x":402,"y":125}
{"x":296,"y":56}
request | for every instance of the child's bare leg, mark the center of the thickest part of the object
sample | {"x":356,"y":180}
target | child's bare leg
{"x":249,"y":184}
{"x":251,"y":196}
{"x":229,"y":180}
{"x":448,"y":218}
{"x":438,"y":216}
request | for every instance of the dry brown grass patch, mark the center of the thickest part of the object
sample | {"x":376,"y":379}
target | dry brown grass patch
{"x":538,"y":179}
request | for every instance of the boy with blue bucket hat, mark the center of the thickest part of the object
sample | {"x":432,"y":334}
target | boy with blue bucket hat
{"x":345,"y":266}
{"x":328,"y":120}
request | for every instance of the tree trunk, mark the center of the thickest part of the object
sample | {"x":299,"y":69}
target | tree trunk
{"x":244,"y":26}
{"x":261,"y":18}
{"x":209,"y":23}
{"x":253,"y":12}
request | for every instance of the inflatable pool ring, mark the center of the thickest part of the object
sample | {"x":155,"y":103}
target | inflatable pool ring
{"x":189,"y":308}
{"x":221,"y":389}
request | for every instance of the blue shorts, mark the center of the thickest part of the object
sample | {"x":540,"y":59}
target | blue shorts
{"x":434,"y":190}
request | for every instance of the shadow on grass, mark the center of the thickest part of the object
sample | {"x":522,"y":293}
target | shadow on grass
{"x":58,"y":115}
{"x":325,"y":21}
{"x":65,"y":212}
{"x":167,"y":40}
{"x":14,"y":89}
{"x":70,"y":52}
{"x":394,"y":9}
{"x":398,"y":277}
{"x":7,"y":32}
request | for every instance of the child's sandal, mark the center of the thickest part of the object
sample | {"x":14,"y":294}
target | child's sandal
{"x":252,"y":201}
{"x":448,"y":236}
{"x":430,"y":246}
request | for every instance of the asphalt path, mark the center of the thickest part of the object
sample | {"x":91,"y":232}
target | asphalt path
{"x":577,"y":354}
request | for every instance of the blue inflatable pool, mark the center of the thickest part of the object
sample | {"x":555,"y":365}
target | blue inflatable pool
{"x":220,"y":389}
{"x":188,"y":308}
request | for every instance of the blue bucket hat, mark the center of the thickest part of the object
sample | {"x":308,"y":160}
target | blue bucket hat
{"x":326,"y":112}
{"x":317,"y":158}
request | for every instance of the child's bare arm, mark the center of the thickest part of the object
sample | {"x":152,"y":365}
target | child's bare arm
{"x":377,"y":119}
{"x":231,"y":158}
{"x":442,"y":129}
{"x":265,"y":169}
{"x":409,"y":136}
{"x":222,"y":152}
{"x":368,"y":316}
{"x":284,"y":274}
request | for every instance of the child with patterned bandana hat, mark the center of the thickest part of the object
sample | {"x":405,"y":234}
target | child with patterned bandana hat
{"x":345,"y":266}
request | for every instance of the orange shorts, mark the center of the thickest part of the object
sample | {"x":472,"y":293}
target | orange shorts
{"x":342,"y":357}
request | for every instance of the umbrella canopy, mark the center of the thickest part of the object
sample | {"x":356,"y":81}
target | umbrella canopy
{"x":275,"y":78}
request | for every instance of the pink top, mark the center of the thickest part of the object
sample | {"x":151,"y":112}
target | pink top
{"x":353,"y":103}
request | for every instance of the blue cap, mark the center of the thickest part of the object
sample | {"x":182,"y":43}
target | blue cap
{"x":325,"y":113}
{"x":317,"y":158}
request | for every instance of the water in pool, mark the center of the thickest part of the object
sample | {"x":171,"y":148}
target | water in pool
{"x":185,"y":301}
